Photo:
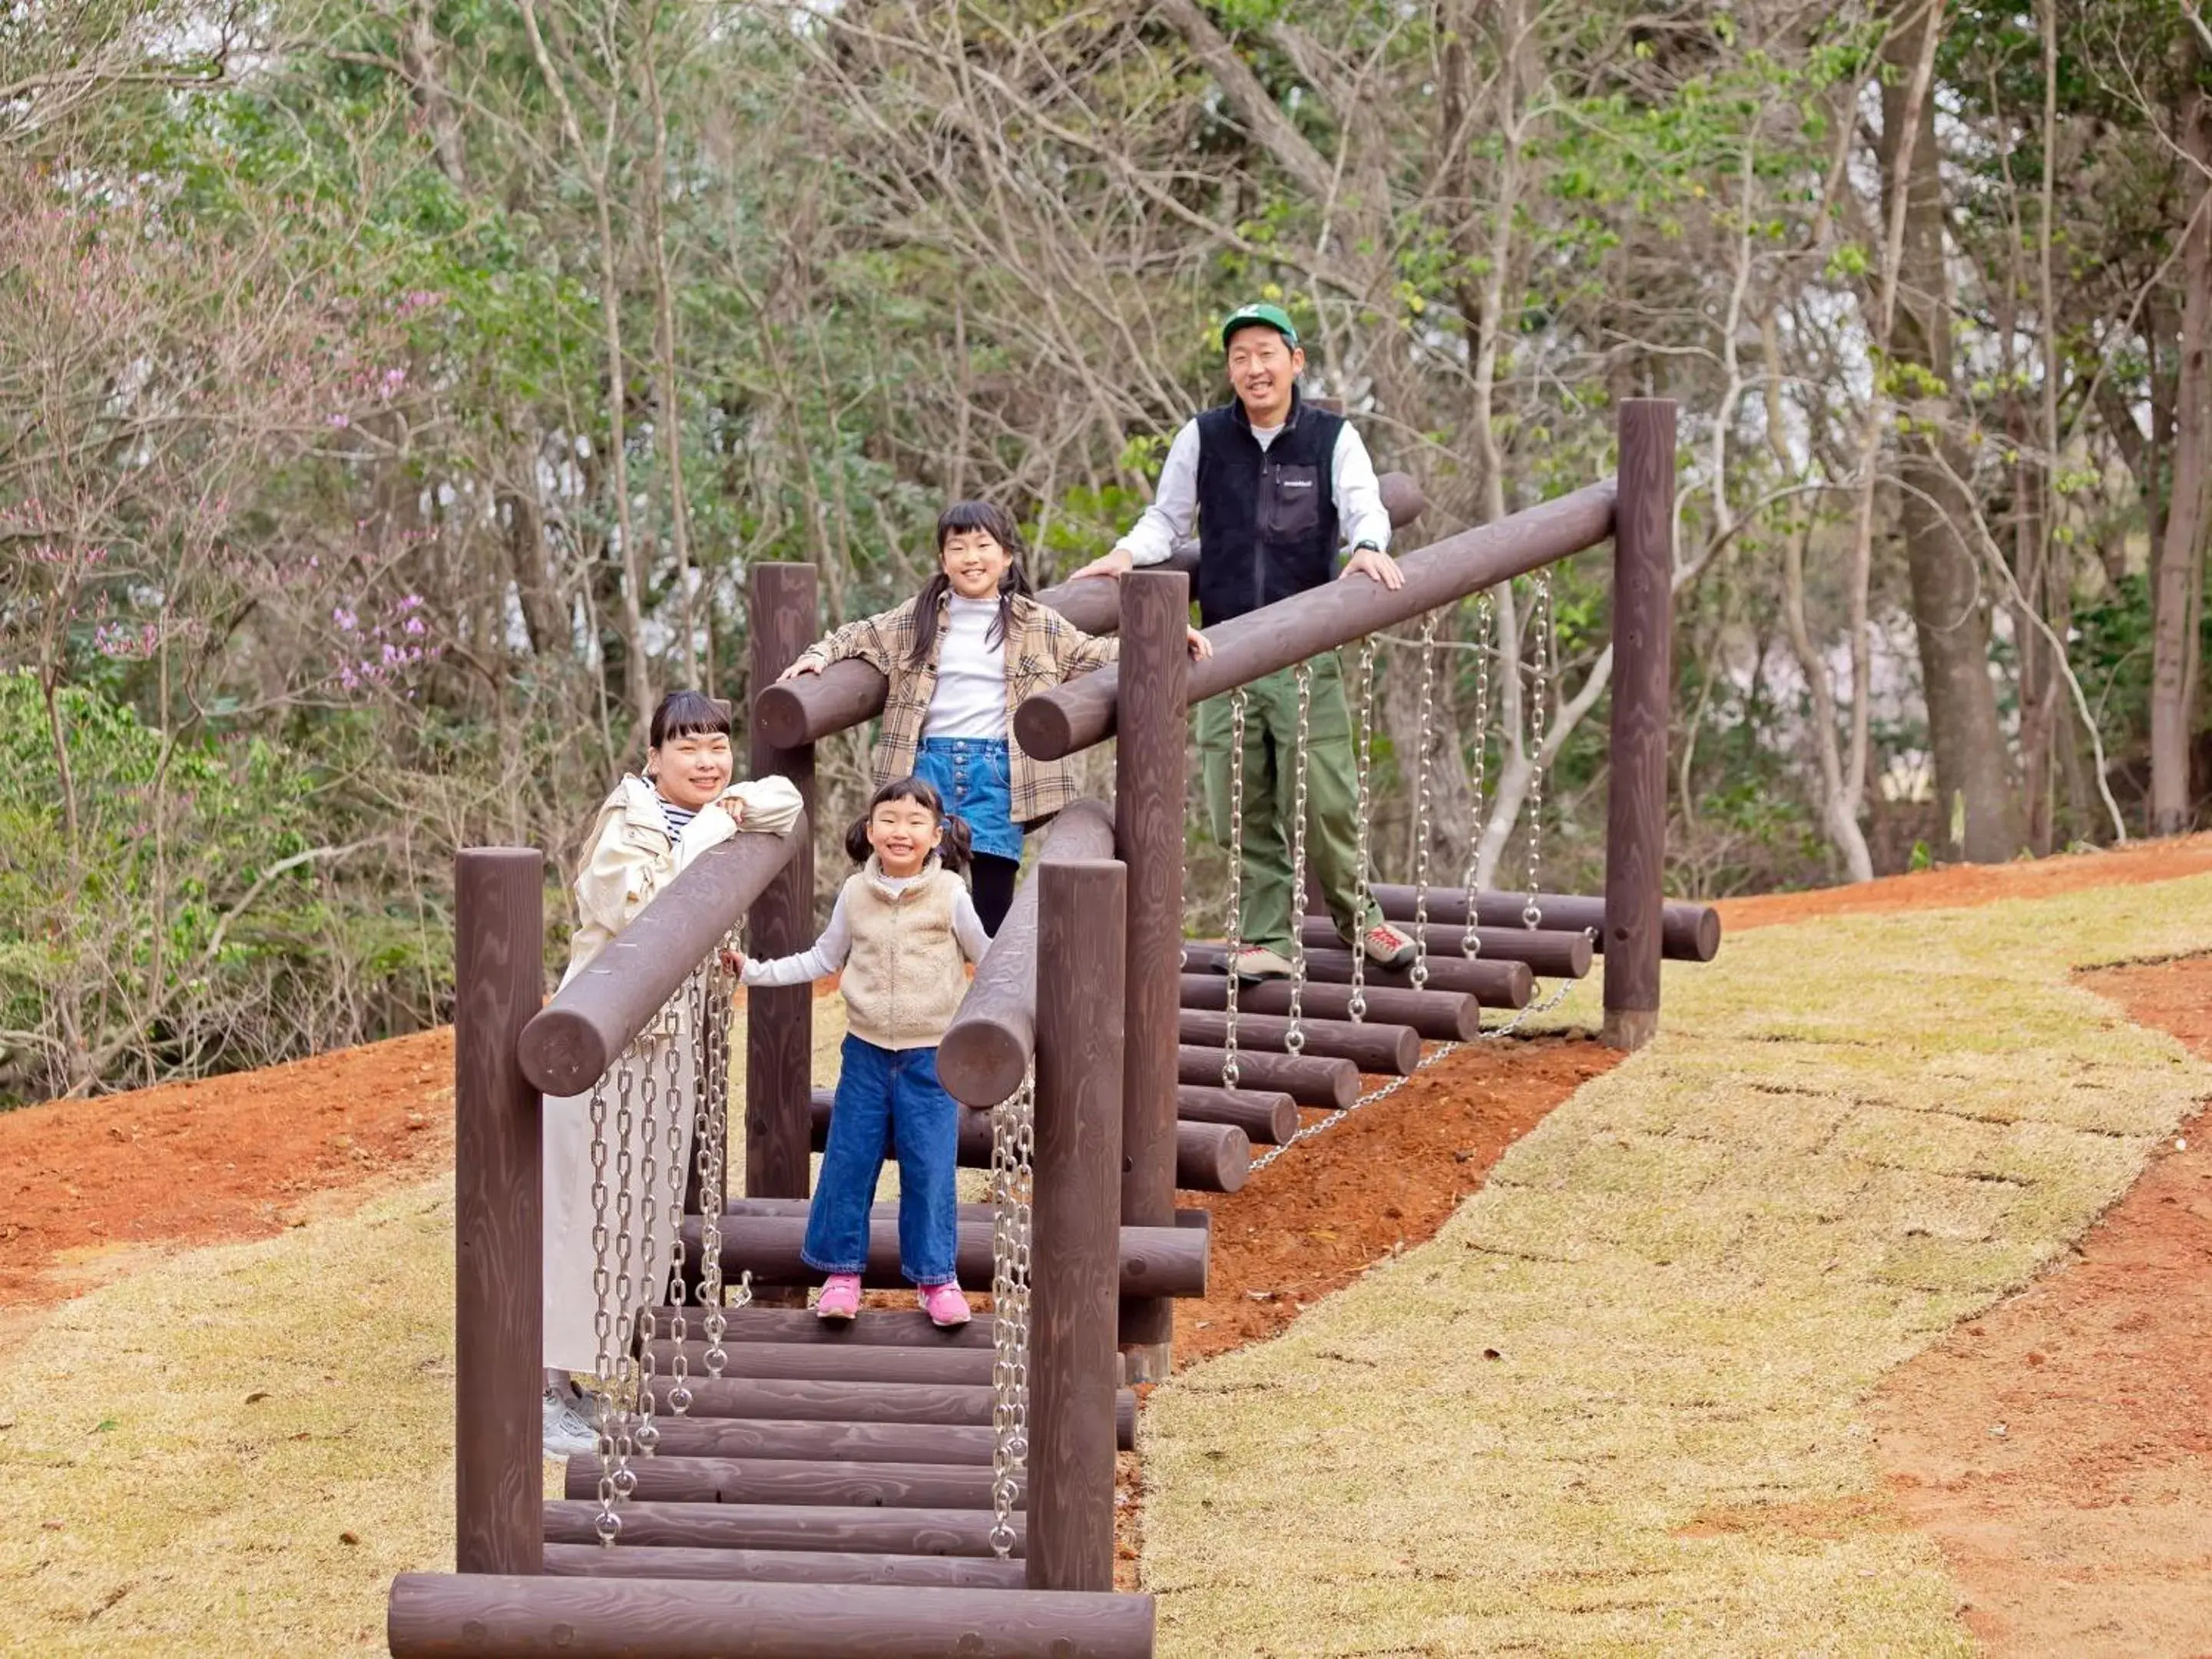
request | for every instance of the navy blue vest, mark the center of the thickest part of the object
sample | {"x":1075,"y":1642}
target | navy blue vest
{"x":1266,"y":517}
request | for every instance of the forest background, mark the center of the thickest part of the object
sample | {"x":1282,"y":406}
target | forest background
{"x":393,"y":396}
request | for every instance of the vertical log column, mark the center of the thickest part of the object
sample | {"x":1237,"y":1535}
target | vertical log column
{"x":1642,"y":677}
{"x":1074,"y":1257}
{"x":780,"y":1020}
{"x":1151,"y":766}
{"x":499,"y":1245}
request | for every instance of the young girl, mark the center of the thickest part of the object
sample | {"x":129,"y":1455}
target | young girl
{"x":903,"y":931}
{"x":961,"y":656}
{"x":646,"y":831}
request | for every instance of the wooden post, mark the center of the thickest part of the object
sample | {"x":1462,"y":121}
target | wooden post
{"x":499,"y":1245}
{"x":780,"y":1020}
{"x":1642,"y":679}
{"x":1150,"y":769}
{"x":1074,"y":1278}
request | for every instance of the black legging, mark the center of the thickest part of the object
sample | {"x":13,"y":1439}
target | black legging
{"x":991,"y":882}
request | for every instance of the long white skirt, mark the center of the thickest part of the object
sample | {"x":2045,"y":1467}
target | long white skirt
{"x":660,"y":1145}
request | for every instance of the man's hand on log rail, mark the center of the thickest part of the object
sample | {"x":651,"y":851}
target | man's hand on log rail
{"x":1373,"y":562}
{"x":1117,"y":563}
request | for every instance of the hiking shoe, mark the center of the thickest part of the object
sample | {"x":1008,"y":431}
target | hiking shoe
{"x":944,"y":1305}
{"x":1257,"y":962}
{"x":840,"y":1298}
{"x":1387,"y":946}
{"x":566,"y":1433}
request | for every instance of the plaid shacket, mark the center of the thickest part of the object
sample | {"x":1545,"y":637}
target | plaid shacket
{"x":1043,"y":649}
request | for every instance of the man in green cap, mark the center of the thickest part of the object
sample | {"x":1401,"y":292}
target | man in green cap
{"x":1276,"y":489}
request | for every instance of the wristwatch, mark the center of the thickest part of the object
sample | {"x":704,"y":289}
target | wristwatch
{"x":1366,"y":547}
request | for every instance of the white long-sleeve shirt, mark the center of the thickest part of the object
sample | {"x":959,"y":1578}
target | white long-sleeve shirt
{"x":1361,"y":514}
{"x":835,"y":944}
{"x":970,"y":699}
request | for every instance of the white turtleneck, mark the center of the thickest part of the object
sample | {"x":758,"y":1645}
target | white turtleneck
{"x":971,"y":674}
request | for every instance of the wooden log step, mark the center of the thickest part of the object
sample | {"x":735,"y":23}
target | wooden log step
{"x":1437,"y":1016}
{"x":827,"y":1361}
{"x":827,"y":1443}
{"x":1494,"y":984}
{"x":1210,"y":1157}
{"x":810,"y":1399}
{"x":1371,"y":1046}
{"x":783,"y":1527}
{"x":666,"y":1479}
{"x":495,"y":1616}
{"x":780,"y":1566}
{"x":1688,"y":933}
{"x":1548,"y":953}
{"x":1267,"y":1118}
{"x":1327,"y":1084}
{"x":900,"y":1327}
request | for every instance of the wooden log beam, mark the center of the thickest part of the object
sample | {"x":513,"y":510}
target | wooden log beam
{"x":848,"y":694}
{"x":827,"y":1360}
{"x":446,"y":1616}
{"x":1057,"y":723}
{"x":499,"y":979}
{"x":830,"y":1440}
{"x":1547,"y":953}
{"x":781,"y":1526}
{"x":570,"y":1043}
{"x":1494,"y":984}
{"x":985,"y":1052}
{"x":905,"y":1328}
{"x":1688,"y":933}
{"x":1393,"y":1049}
{"x":1437,"y":1016}
{"x":1154,"y":1260}
{"x":1267,"y":1118}
{"x":666,"y":1479}
{"x":1206,"y":1153}
{"x":1308,"y":1079}
{"x":780,"y":1566}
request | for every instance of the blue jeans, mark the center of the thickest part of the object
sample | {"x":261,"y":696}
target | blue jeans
{"x":887,"y":1094}
{"x":971,"y":773}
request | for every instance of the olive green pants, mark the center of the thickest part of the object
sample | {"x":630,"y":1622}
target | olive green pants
{"x":1271,"y":725}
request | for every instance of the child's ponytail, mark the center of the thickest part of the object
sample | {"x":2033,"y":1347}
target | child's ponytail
{"x":997,"y":523}
{"x":958,"y":850}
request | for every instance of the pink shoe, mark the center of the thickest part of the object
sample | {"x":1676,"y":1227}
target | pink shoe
{"x":840,"y":1298}
{"x":945,"y":1304}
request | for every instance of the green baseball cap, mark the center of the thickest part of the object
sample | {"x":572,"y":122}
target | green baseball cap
{"x":1274,"y":317}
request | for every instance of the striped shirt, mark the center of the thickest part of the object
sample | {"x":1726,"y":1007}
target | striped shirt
{"x":677,"y":818}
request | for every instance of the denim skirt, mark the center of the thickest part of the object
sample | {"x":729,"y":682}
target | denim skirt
{"x":972,"y":774}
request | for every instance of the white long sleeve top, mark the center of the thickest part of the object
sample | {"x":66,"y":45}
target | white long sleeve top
{"x":970,"y":699}
{"x":1361,"y":514}
{"x":830,"y":951}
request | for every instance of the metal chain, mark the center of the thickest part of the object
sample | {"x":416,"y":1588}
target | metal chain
{"x":1294,"y":1037}
{"x":1362,"y":760}
{"x":1234,"y":932}
{"x":1541,"y":624}
{"x":1470,"y":941}
{"x":652,"y":1275}
{"x":713,"y":1125}
{"x":1422,"y":801}
{"x":1013,"y":1146}
{"x":607,"y":1523}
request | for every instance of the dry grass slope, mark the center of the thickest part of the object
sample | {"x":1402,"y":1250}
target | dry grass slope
{"x":1851,"y":1135}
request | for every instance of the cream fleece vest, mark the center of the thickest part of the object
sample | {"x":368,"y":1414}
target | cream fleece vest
{"x":904,"y":975}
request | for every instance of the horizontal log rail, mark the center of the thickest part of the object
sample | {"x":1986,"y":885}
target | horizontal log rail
{"x":1057,"y":723}
{"x":1688,"y":933}
{"x":573,"y":1039}
{"x":790,"y":712}
{"x":781,"y":1567}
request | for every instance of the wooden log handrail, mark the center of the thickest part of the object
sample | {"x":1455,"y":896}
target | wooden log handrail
{"x":1058,"y":723}
{"x":792,"y":712}
{"x":573,"y":1039}
{"x":987,"y":1049}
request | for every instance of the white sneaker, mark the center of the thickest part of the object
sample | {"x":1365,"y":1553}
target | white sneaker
{"x":566,"y":1433}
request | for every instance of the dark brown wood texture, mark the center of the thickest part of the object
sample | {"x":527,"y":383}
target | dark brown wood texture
{"x":499,"y":1247}
{"x":1494,"y":984}
{"x":1438,"y":1016}
{"x":783,"y":1526}
{"x":1151,"y":772}
{"x":985,"y":1050}
{"x":1206,"y":1153}
{"x":435,"y":1616}
{"x":780,"y":1566}
{"x":573,"y":1041}
{"x":1636,"y":790}
{"x":671,"y":1479}
{"x":1269,"y":1118}
{"x":1155,"y":1261}
{"x":780,"y":1020}
{"x":1688,"y":933}
{"x":1308,"y":1079}
{"x":834,"y":1442}
{"x":1073,"y":716}
{"x":847,"y":693}
{"x":1370,"y":1047}
{"x":904,"y":1327}
{"x":1074,"y":1278}
{"x":1547,"y":953}
{"x":857,"y":1362}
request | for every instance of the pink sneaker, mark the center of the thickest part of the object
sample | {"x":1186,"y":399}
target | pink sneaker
{"x":945,"y":1304}
{"x":840,"y":1298}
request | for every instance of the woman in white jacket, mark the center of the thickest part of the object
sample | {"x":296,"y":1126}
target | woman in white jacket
{"x":646,"y":832}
